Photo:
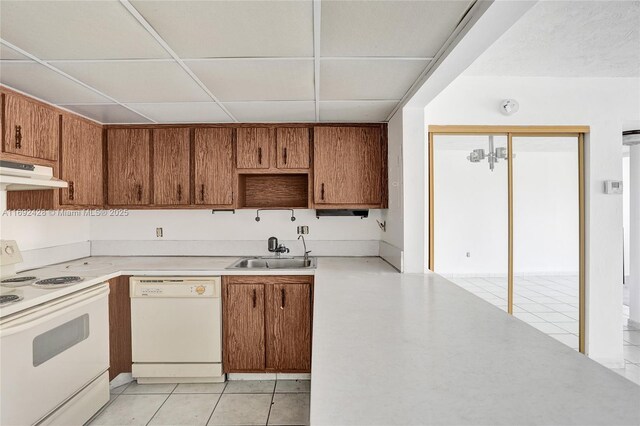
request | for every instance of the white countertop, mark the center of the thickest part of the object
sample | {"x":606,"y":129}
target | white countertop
{"x":102,"y":268}
{"x":397,"y":349}
{"x":414,"y":349}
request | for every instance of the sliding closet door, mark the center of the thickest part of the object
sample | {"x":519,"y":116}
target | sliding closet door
{"x":469,"y":213}
{"x":546,"y":234}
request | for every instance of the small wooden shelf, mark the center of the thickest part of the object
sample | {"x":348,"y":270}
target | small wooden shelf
{"x":273,"y":191}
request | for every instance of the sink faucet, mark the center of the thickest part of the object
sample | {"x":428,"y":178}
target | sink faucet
{"x":304,"y":244}
{"x":276,"y":248}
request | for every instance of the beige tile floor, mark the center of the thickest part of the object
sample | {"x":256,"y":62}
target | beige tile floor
{"x":550,"y":304}
{"x":282,"y":402}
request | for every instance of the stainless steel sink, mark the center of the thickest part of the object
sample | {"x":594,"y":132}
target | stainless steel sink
{"x":274,"y":263}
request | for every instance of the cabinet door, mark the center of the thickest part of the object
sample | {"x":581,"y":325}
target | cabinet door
{"x":30,"y":129}
{"x":244,"y":342}
{"x":292,"y":148}
{"x":253,"y":147}
{"x":288,"y":309}
{"x":214,"y":166}
{"x":128,"y":153}
{"x":171,"y":166}
{"x":119,"y":326}
{"x":81,"y":162}
{"x":347,"y":165}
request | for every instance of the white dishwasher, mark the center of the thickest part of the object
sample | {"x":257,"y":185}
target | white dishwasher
{"x":176,"y":329}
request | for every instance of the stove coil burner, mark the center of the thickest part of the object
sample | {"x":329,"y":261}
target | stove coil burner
{"x":57,"y":282}
{"x":6,"y":299}
{"x":17,"y":281}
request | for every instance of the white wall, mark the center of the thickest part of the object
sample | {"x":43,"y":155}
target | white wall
{"x":224,"y":227}
{"x":601,"y":103}
{"x":44,"y":237}
{"x":471,"y":211}
{"x":406,"y":216}
{"x":626,"y":210}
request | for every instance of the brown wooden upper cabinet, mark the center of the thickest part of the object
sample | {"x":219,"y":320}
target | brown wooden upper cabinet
{"x":81,"y":162}
{"x":292,"y":147}
{"x":267,"y":323}
{"x":128,"y":163}
{"x":171,"y":166}
{"x":347,"y":166}
{"x":30,"y":129}
{"x":213,"y":166}
{"x":253,"y":147}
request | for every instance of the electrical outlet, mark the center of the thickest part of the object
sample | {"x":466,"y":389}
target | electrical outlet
{"x":159,"y":232}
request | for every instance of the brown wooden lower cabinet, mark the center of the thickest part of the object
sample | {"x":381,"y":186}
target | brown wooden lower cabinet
{"x":119,"y":326}
{"x":267,"y":323}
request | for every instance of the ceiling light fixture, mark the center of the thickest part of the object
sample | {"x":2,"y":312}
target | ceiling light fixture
{"x":492,"y":156}
{"x":509,"y":106}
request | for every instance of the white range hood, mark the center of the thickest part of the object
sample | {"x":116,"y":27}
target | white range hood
{"x":27,"y":177}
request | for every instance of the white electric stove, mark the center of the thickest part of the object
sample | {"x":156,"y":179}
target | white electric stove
{"x":54,"y":351}
{"x":16,"y":288}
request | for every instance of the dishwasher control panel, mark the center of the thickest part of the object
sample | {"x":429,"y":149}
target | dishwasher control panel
{"x":175,"y":287}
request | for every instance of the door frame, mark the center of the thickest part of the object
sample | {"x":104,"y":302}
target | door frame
{"x":510,"y":132}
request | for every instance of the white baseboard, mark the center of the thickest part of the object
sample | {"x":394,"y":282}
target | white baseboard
{"x":610,"y":362}
{"x":504,"y":274}
{"x":120,"y":379}
{"x":269,"y":376}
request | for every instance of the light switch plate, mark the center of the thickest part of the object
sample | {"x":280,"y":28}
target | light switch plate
{"x":9,"y":253}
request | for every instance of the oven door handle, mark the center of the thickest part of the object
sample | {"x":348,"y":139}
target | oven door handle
{"x":45,"y":314}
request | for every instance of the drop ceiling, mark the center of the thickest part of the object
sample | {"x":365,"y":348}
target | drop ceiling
{"x":222,"y":61}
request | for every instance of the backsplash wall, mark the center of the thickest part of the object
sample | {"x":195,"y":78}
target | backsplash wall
{"x":199,"y":232}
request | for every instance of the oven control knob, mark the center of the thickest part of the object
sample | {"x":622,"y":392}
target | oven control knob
{"x":200,"y":289}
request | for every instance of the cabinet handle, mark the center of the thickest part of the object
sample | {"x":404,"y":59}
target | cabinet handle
{"x":139,"y":192}
{"x":179,"y":192}
{"x":202,"y":193}
{"x":283,"y":297}
{"x":71,"y":190}
{"x":259,"y":155}
{"x":322,"y":192}
{"x":285,"y":155}
{"x":18,"y":137}
{"x":254,"y":297}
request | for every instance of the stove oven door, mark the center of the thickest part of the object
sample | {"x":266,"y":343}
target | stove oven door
{"x":50,"y":352}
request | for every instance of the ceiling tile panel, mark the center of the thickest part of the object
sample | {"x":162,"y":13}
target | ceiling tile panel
{"x":356,"y":111}
{"x":256,"y":79}
{"x":6,"y":53}
{"x":203,"y":29}
{"x":43,"y":83}
{"x":359,"y":79}
{"x":183,"y":112}
{"x":138,"y":81}
{"x":108,"y":113}
{"x":272,"y":111}
{"x":388,"y":28}
{"x":76,"y":30}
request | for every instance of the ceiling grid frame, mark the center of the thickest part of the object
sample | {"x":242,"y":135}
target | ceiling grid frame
{"x":317,"y":13}
{"x":317,"y":61}
{"x":70,"y":77}
{"x":138,"y":16}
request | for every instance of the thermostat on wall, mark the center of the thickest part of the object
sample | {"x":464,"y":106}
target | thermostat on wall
{"x":613,"y":187}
